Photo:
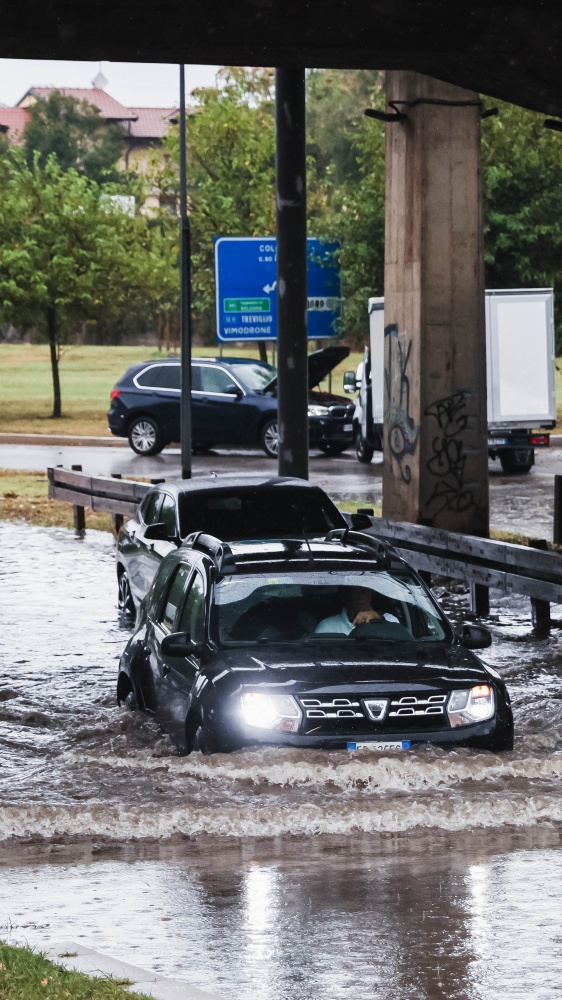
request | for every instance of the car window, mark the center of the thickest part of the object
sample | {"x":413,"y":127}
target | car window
{"x":255,"y":376}
{"x":196,"y":378}
{"x":390,"y":606}
{"x":215,"y":380}
{"x":174,"y":595}
{"x":160,"y":377}
{"x":192,"y":617}
{"x":258,"y":513}
{"x":168,"y":514}
{"x":150,"y":507}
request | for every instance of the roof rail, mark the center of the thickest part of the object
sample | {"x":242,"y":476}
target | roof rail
{"x":345,"y":536}
{"x":219,"y":551}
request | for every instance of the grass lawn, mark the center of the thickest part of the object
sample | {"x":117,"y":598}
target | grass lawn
{"x":25,"y":975}
{"x":88,"y":375}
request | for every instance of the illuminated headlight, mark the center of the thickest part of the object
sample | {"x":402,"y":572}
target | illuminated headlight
{"x":271,"y":711}
{"x":318,"y":411}
{"x":473,"y":705}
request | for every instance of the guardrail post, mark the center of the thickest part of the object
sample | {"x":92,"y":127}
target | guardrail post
{"x":79,"y":512}
{"x":557,"y":530}
{"x":479,"y":600}
{"x":540,"y":610}
{"x":117,"y":518}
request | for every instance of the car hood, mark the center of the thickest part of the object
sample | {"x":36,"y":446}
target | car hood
{"x":309,"y":665}
{"x":320,"y":364}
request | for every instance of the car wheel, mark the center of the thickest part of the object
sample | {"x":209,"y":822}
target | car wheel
{"x":270,"y":438}
{"x":145,"y":436}
{"x":517,"y":462}
{"x":130,"y":702}
{"x":363,"y":450}
{"x":333,"y":449}
{"x":125,"y":601}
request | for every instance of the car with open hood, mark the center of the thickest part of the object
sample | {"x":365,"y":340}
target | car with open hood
{"x":334,"y":643}
{"x":233,"y":403}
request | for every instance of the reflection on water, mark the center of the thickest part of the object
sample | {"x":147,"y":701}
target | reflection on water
{"x":469,"y":918}
{"x":438,"y":874}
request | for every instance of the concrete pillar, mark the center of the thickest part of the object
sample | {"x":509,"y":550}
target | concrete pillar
{"x":435,"y":436}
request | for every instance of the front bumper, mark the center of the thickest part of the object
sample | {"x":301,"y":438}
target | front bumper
{"x":329,"y":431}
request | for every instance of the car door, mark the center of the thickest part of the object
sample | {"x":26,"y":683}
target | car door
{"x":138,"y":566}
{"x":160,"y":624}
{"x":222,"y":416}
{"x":179,"y":673}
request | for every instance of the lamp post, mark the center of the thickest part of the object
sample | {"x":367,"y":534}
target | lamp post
{"x":185,"y":297}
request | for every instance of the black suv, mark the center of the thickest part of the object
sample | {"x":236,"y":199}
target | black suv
{"x":233,"y":402}
{"x":230,"y":506}
{"x":333,"y":643}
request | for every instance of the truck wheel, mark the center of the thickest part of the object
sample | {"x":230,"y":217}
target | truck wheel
{"x":363,"y":450}
{"x":270,"y":438}
{"x":145,"y":436}
{"x":517,"y":461}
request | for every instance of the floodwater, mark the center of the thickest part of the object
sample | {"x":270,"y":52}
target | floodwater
{"x":268,"y":874}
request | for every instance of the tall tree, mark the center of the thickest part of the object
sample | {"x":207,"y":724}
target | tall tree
{"x":67,"y":257}
{"x":76,"y":133}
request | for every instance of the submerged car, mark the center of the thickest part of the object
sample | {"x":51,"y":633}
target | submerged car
{"x":233,"y":402}
{"x":333,"y":643}
{"x":233,"y":507}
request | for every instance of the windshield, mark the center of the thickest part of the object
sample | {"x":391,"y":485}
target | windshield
{"x":368,"y":605}
{"x":255,"y":377}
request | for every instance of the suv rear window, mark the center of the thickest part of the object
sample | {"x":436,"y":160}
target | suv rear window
{"x":160,"y":377}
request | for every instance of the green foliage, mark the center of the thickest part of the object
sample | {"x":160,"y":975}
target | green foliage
{"x":522,"y":202}
{"x":76,"y":133}
{"x":69,"y":257}
{"x":231,"y":174}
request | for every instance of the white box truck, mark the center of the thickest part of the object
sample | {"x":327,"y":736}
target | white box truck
{"x":521,"y":369}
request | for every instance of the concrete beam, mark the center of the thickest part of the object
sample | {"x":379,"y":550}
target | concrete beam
{"x":436,"y":465}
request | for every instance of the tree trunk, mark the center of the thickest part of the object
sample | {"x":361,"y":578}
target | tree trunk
{"x":52,"y":333}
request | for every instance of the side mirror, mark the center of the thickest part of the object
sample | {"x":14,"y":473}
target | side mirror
{"x":475,"y":637}
{"x":234,"y":390}
{"x":349,"y":382}
{"x":360,"y":521}
{"x":179,"y":644}
{"x":157,"y":532}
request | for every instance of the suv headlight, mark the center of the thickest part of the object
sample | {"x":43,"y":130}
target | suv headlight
{"x":473,"y":705}
{"x":271,"y":711}
{"x":318,"y":411}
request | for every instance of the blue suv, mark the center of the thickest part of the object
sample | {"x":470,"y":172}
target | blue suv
{"x":233,"y":402}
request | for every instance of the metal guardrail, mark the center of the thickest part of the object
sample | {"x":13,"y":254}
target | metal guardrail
{"x":116,"y":496}
{"x":482,"y":562}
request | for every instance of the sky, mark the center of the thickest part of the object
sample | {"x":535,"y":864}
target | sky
{"x":132,"y":84}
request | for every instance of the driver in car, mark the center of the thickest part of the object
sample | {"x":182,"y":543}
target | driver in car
{"x":357,"y":610}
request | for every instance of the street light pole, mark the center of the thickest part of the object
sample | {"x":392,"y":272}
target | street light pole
{"x":185,"y":297}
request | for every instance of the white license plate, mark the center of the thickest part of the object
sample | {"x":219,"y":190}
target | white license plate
{"x":348,"y":427}
{"x":381,"y":745}
{"x":493,"y":442}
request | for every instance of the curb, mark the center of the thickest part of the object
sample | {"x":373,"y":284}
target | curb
{"x":64,"y":440}
{"x":77,"y":958}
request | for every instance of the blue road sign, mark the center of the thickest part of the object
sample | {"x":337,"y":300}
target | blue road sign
{"x":246,"y":288}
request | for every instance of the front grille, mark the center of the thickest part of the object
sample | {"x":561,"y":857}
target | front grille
{"x":341,"y":411}
{"x":347,"y":714}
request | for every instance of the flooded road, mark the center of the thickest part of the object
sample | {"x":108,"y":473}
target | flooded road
{"x":437,"y":873}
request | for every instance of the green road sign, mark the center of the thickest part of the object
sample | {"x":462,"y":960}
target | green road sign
{"x":247,"y":305}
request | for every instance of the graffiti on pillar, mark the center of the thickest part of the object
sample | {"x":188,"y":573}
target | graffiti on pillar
{"x":448,"y":458}
{"x":402,"y":430}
